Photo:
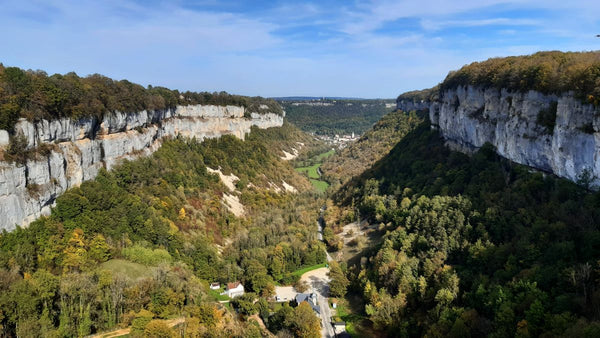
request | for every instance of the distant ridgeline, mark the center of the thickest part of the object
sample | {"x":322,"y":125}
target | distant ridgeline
{"x":58,"y":131}
{"x":335,"y":116}
{"x":34,"y":95}
{"x":539,"y":110}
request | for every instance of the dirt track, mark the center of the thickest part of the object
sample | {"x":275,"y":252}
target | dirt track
{"x":122,"y":332}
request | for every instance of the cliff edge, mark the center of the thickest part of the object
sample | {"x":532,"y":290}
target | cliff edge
{"x":548,"y":127}
{"x":67,"y":152}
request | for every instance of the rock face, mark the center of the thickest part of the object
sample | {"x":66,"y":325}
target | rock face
{"x":77,"y":149}
{"x":409,"y":105}
{"x":468,"y":117}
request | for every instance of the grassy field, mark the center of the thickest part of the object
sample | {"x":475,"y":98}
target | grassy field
{"x":325,"y":155}
{"x":319,"y":185}
{"x":302,"y":271}
{"x":313,"y":171}
{"x":356,"y":325}
{"x":127,"y":268}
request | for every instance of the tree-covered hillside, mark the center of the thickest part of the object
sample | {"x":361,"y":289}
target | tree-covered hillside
{"x":474,"y":246}
{"x":35,"y":95}
{"x":141,"y":243}
{"x":330,"y":117}
{"x":373,"y":145}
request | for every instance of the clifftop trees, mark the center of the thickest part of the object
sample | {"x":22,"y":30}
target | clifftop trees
{"x":547,"y":72}
{"x":35,"y":95}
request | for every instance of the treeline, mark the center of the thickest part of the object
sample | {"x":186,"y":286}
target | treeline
{"x":429,"y":94}
{"x":342,"y":117}
{"x":475,"y":246}
{"x":547,"y":72}
{"x":35,"y":95}
{"x":140,"y":243}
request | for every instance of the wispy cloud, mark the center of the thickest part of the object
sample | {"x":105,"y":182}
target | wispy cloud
{"x":437,"y":25}
{"x":372,"y":48}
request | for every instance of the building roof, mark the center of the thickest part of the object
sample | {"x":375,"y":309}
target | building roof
{"x":300,"y":297}
{"x":215,"y":284}
{"x":233,"y":285}
{"x":305,"y":297}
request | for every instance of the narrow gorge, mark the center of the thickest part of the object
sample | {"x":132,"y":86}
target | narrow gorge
{"x":67,"y":152}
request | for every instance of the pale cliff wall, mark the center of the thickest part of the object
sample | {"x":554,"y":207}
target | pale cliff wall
{"x":80,"y":148}
{"x":468,"y":117}
{"x":410,"y":105}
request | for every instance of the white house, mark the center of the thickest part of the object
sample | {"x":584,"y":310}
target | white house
{"x":234,"y":290}
{"x":215,"y":286}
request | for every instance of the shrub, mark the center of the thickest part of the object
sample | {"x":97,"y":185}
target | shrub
{"x":17,"y":149}
{"x":158,"y":329}
{"x":138,"y":325}
{"x":301,"y":286}
{"x":547,"y":117}
{"x":146,"y":256}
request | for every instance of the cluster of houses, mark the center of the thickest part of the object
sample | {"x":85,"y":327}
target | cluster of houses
{"x":339,"y":327}
{"x":236,"y":289}
{"x":339,"y":141}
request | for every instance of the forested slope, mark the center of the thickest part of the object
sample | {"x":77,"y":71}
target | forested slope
{"x":373,"y":145}
{"x":475,"y":246}
{"x":144,"y":240}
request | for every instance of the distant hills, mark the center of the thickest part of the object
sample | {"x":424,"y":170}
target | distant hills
{"x":315,"y":98}
{"x":329,"y":116}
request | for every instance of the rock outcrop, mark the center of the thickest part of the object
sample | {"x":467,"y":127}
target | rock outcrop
{"x":412,"y":104}
{"x":516,"y":123}
{"x":75,"y":150}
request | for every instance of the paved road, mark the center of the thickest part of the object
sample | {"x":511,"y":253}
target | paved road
{"x":319,"y":284}
{"x":326,"y":329}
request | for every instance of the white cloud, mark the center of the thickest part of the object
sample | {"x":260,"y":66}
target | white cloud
{"x":346,"y":50}
{"x":437,"y":25}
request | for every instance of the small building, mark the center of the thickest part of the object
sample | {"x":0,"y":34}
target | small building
{"x":311,"y":299}
{"x":339,"y":328}
{"x":234,"y":290}
{"x":215,"y":286}
{"x":334,"y":303}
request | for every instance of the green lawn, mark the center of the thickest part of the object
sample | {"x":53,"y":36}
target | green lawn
{"x":313,"y":172}
{"x":320,"y":185}
{"x":356,"y":324}
{"x":302,"y":271}
{"x":216,"y":294}
{"x":323,"y":156}
{"x":127,"y":268}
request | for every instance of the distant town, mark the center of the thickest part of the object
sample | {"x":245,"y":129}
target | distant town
{"x":338,"y":141}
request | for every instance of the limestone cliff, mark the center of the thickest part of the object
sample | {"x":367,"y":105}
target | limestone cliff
{"x":78,"y":149}
{"x":470,"y":116}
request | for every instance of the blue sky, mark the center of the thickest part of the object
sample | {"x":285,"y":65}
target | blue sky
{"x":280,"y":48}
